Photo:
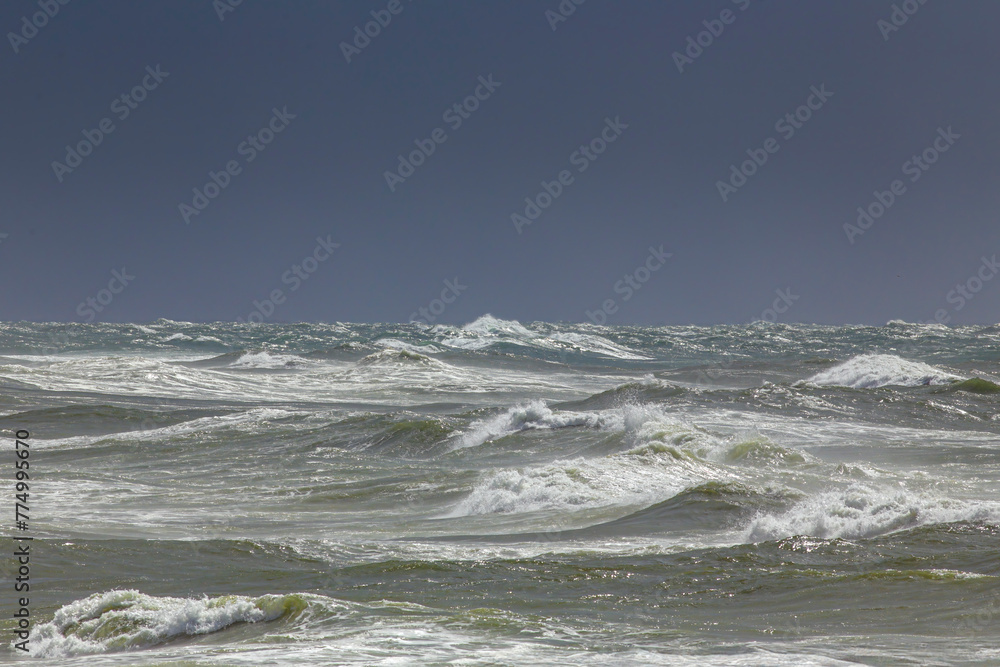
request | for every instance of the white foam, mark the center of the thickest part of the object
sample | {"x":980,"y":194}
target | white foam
{"x":396,"y":344}
{"x":397,"y":355}
{"x":488,"y":330}
{"x":127,"y":619}
{"x":664,"y":458}
{"x":865,"y":511}
{"x":580,"y":483}
{"x":267,"y":360}
{"x":176,"y":336}
{"x":485,"y":331}
{"x":598,"y":344}
{"x":488,"y":325}
{"x":533,"y":415}
{"x":880,"y":370}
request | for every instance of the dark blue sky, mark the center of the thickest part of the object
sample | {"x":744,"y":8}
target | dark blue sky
{"x":323,"y":175}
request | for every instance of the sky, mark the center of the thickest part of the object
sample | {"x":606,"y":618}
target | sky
{"x":640,"y":162}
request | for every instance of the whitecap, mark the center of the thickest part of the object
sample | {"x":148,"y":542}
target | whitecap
{"x":127,"y":619}
{"x":880,"y":370}
{"x":861,"y":511}
{"x":533,"y":415}
{"x":267,"y":360}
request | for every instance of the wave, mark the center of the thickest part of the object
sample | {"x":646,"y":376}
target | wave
{"x":652,"y":451}
{"x":247,"y":359}
{"x":533,"y":415}
{"x":82,"y":419}
{"x":340,"y":351}
{"x":396,"y":356}
{"x":225,"y":359}
{"x":488,"y":331}
{"x":127,"y":619}
{"x":862,"y":511}
{"x":396,"y":344}
{"x":618,"y":410}
{"x":267,"y":360}
{"x":483,"y":332}
{"x":163,"y":321}
{"x":598,"y":345}
{"x":665,"y":457}
{"x":562,"y":485}
{"x":869,"y":371}
{"x":977,"y":386}
{"x":759,"y":449}
{"x":403,"y":434}
{"x":647,"y":390}
{"x":186,"y":423}
{"x":487,"y":325}
{"x":707,"y":507}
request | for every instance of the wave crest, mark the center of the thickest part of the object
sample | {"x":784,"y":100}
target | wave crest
{"x":869,"y":371}
{"x":487,"y":331}
{"x":267,"y":360}
{"x":127,"y":619}
{"x":863,"y":511}
{"x":533,"y":415}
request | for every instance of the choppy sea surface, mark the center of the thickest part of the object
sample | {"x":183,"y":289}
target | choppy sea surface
{"x":506,"y":493}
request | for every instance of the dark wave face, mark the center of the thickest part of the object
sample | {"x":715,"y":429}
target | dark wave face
{"x":508,"y":493}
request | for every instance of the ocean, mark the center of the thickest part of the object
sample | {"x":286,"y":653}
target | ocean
{"x":503,"y":493}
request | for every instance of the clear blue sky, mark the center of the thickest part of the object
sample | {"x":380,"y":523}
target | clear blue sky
{"x":551,"y":92}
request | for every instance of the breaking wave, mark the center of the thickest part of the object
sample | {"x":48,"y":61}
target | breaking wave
{"x":868,"y":371}
{"x":127,"y":619}
{"x":865,"y":511}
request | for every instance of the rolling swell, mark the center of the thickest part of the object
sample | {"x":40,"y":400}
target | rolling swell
{"x":706,"y":507}
{"x":646,"y":391}
{"x":86,"y":419}
{"x":404,"y":434}
{"x":976,"y":386}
